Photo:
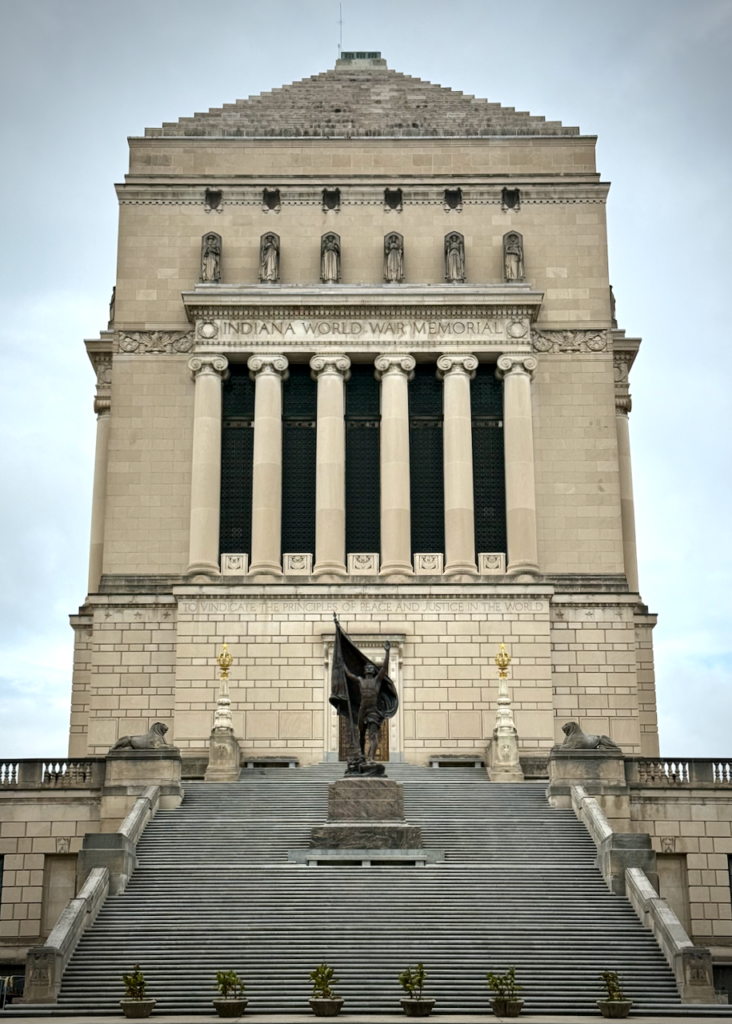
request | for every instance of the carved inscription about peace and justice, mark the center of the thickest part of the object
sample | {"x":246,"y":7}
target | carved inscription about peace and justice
{"x":372,"y":329}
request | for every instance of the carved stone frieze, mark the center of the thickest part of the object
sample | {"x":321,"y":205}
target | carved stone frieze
{"x":154,"y":343}
{"x":569,"y":341}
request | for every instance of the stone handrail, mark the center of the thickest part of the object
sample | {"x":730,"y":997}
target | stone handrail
{"x":589,"y":812}
{"x":692,"y":965}
{"x":616,"y":851}
{"x":46,"y":964}
{"x":56,"y":773}
{"x":679,"y":771}
{"x":106,"y":861}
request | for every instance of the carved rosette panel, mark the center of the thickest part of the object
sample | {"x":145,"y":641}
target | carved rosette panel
{"x":276,"y":365}
{"x":569,"y":341}
{"x":456,"y":364}
{"x":155,"y":343}
{"x":395,"y":363}
{"x":333,"y":362}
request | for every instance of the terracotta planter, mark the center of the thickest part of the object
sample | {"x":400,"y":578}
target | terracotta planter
{"x":417,"y":1007}
{"x":230,"y":1007}
{"x":615,"y":1008}
{"x":137,"y":1007}
{"x":505,"y":1006}
{"x":326,"y":1007}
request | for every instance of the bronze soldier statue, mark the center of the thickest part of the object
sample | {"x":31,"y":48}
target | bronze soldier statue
{"x":365,"y":696}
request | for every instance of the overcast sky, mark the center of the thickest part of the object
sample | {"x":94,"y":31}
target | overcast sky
{"x":651,"y":78}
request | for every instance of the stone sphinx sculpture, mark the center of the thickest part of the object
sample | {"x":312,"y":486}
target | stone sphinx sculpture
{"x":576,"y":739}
{"x":153,"y":739}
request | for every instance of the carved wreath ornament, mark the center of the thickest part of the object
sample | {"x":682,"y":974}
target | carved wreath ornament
{"x":569,"y":341}
{"x":156,"y":342}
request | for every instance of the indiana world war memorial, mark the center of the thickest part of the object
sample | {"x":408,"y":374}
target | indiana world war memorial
{"x":364,"y":645}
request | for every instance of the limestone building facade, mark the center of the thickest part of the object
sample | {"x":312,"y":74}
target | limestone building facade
{"x":362,"y":358}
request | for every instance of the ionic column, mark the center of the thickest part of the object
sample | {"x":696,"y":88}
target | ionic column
{"x":268,"y":373}
{"x":331,"y":372}
{"x":623,"y":405}
{"x":395,"y":371}
{"x":208,"y":372}
{"x":102,"y":407}
{"x":518,"y":442}
{"x":456,"y":372}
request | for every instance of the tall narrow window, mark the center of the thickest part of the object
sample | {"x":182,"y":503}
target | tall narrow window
{"x":362,"y":461}
{"x":489,"y":484}
{"x":299,"y":418}
{"x":237,"y":450}
{"x":425,"y":461}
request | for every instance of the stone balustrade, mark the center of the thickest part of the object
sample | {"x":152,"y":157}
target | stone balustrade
{"x":42,"y":773}
{"x":676,"y":772}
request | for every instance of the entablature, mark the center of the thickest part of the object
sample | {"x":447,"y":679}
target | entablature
{"x":364,"y":317}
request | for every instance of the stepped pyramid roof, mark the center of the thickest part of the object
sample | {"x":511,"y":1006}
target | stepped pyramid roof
{"x":361,"y":97}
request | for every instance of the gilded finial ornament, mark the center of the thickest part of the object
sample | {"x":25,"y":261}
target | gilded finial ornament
{"x":503,"y":660}
{"x":224,"y":661}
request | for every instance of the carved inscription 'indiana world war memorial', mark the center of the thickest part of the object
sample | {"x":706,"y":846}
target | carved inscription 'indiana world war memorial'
{"x":363,"y":637}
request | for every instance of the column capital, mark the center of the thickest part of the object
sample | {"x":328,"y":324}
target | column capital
{"x":330,"y":363}
{"x":263,"y":364}
{"x":515,"y":362}
{"x":213,"y":364}
{"x":457,"y":363}
{"x":395,"y":363}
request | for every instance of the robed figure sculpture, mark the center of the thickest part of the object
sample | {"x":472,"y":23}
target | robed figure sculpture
{"x":365,"y":696}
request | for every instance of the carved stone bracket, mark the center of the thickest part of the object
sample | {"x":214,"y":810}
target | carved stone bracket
{"x":513,"y":362}
{"x":456,"y":364}
{"x":102,"y":363}
{"x":570,"y":341}
{"x":268,"y":364}
{"x":621,"y":370}
{"x":395,"y":363}
{"x":156,"y":342}
{"x":330,"y":362}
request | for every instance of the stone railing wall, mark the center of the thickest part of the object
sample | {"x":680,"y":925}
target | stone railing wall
{"x":42,"y":773}
{"x":107,"y":860}
{"x":679,"y":771}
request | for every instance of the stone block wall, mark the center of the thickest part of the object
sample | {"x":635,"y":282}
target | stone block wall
{"x":83,"y":626}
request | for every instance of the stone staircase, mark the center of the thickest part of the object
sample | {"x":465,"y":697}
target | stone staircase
{"x":214,"y":891}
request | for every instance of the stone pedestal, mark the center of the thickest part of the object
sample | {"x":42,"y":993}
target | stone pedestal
{"x":224,"y":756}
{"x":601,"y":772}
{"x":503,"y":756}
{"x":366,"y":814}
{"x":130,"y":772}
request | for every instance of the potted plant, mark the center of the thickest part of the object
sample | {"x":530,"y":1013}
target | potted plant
{"x":135,"y":1004}
{"x":324,"y":1003}
{"x":413,"y":983}
{"x":506,"y":1002}
{"x":615,"y":1005}
{"x":232,"y":1002}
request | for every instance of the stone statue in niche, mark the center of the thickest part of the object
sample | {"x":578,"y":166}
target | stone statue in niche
{"x":330,"y":258}
{"x":211,"y":258}
{"x":511,"y":199}
{"x":576,"y":739}
{"x":394,"y":258}
{"x":454,"y":258}
{"x":364,"y":695}
{"x":269,"y":258}
{"x":331,"y":200}
{"x":513,"y":256}
{"x":153,"y":739}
